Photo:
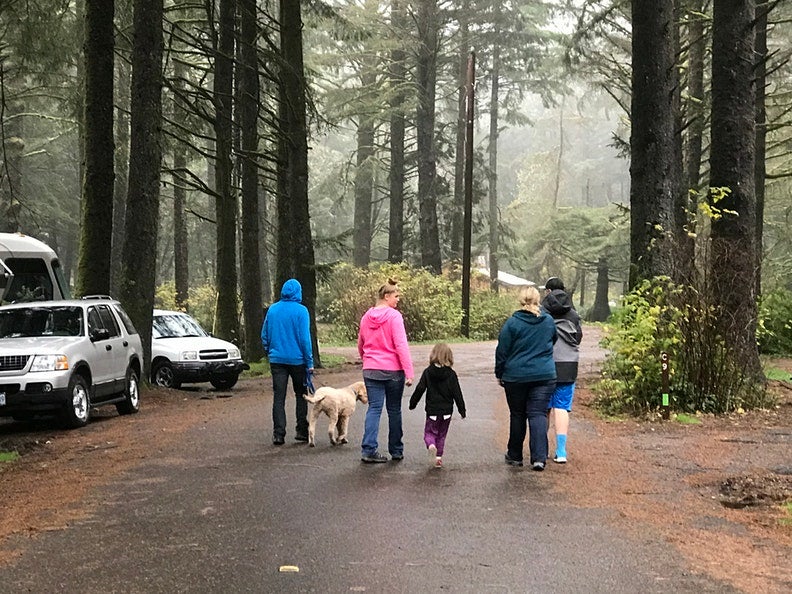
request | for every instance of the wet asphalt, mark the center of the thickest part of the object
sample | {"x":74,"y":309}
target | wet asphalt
{"x":226,"y":511}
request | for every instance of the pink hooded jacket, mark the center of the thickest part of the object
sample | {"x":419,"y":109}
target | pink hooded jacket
{"x":382,"y":341}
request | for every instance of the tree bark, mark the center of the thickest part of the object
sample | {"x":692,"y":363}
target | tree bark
{"x":732,"y":166}
{"x":457,"y":212}
{"x":600,"y":311}
{"x":139,"y":254}
{"x":761,"y":134}
{"x":226,"y":321}
{"x":427,"y":20}
{"x":295,"y":257}
{"x":653,"y":166}
{"x":396,"y":73}
{"x":364,"y":179}
{"x":93,"y":267}
{"x":248,"y":102}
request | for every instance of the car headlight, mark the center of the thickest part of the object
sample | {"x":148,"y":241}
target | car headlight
{"x":189,"y":355}
{"x":233,"y":354}
{"x":49,"y":363}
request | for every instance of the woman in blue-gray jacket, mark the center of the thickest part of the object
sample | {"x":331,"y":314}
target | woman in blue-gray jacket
{"x":524,"y":367}
{"x":286,"y":337}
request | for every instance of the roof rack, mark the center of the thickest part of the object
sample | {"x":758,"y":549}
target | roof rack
{"x":96,"y":297}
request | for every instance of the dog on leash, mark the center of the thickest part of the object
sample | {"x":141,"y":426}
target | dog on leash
{"x":338,"y":404}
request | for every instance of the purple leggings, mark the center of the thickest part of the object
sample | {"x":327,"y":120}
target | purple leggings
{"x":435,"y":432}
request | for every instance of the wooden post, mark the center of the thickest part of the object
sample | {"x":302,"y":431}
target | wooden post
{"x":666,"y":409}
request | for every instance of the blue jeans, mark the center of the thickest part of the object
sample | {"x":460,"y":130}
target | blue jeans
{"x":529,"y":401}
{"x":389,"y":393}
{"x":280,"y":382}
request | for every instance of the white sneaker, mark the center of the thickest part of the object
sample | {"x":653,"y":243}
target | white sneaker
{"x":432,"y":449}
{"x":560,"y":460}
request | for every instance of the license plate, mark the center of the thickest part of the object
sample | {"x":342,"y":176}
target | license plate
{"x":2,"y":399}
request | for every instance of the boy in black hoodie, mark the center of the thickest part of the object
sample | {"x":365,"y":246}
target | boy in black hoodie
{"x":566,"y":354}
{"x":441,"y":385}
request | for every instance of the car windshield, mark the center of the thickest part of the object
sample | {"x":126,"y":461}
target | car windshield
{"x":41,"y":321}
{"x":176,"y":326}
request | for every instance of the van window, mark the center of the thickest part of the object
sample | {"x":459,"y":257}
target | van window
{"x":31,"y":280}
{"x":60,"y":278}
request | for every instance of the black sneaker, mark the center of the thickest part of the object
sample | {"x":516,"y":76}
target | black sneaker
{"x":397,"y":457}
{"x":512,"y":462}
{"x":277,"y":441}
{"x":301,"y":438}
{"x":538,"y":466}
{"x":375,"y":458}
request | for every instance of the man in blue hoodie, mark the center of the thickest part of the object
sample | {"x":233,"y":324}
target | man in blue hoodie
{"x":286,"y":336}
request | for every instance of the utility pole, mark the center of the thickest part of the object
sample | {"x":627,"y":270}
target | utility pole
{"x":468,"y":221}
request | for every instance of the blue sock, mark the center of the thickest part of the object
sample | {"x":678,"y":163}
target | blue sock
{"x":561,"y":446}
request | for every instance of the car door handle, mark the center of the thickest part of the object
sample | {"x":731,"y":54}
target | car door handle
{"x":108,"y":347}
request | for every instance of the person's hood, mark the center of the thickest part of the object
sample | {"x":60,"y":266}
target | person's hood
{"x":291,"y":291}
{"x":557,"y":303}
{"x":438,"y":373}
{"x":527,"y":317}
{"x":377,"y":316}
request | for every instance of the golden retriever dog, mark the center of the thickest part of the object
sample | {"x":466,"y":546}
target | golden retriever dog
{"x":338,"y":404}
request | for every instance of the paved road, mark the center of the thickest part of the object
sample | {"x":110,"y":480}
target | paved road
{"x":225,"y":510}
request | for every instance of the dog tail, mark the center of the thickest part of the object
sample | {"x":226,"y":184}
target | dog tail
{"x":316,"y":397}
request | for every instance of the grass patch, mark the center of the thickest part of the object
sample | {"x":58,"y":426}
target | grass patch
{"x":777,"y":374}
{"x":687,"y":419}
{"x":9,"y":456}
{"x":787,"y":507}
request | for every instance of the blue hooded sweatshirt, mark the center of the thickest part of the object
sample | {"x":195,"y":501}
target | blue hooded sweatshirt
{"x":286,"y":333}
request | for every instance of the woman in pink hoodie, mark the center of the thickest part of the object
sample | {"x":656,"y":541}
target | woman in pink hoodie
{"x":387,"y":367}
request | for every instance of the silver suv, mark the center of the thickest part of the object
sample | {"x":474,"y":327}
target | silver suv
{"x":66,"y":357}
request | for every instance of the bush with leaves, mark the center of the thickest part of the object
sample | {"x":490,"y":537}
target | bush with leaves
{"x":659,"y":316}
{"x":431,"y":305}
{"x":775,"y":323}
{"x":201,"y":302}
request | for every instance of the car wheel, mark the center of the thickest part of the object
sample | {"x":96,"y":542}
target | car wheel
{"x":131,"y":402}
{"x":78,"y":403}
{"x":163,"y":376}
{"x":225,"y":382}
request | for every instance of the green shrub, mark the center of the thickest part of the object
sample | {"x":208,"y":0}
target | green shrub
{"x":775,"y":323}
{"x":431,"y":304}
{"x":659,"y":316}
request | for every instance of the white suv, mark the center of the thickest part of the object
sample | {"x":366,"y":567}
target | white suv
{"x":183,"y":352}
{"x":66,"y":357}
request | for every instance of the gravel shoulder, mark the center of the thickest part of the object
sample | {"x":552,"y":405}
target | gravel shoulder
{"x":713,"y":491}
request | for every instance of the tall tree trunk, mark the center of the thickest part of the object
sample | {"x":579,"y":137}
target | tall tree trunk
{"x":181,"y":270}
{"x":457,"y":212}
{"x":396,"y":72}
{"x":493,"y":164}
{"x":653,"y":163}
{"x":600,"y":311}
{"x":93,"y":268}
{"x":762,"y":10}
{"x":248,"y":102}
{"x":227,"y":321}
{"x":10,"y":160}
{"x":295,"y":257}
{"x":364,"y":179}
{"x":683,"y":257}
{"x":427,"y":20}
{"x":138,"y":282}
{"x":732,"y":166}
{"x":122,"y":92}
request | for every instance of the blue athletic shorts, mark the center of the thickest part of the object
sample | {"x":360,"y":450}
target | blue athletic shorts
{"x":562,"y":397}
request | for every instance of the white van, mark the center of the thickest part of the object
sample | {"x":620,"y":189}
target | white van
{"x":29,"y":270}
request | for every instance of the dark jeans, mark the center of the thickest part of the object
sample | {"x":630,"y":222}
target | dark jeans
{"x":280,"y":382}
{"x":529,"y":401}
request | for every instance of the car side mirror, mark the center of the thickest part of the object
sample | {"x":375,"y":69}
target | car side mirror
{"x":100,"y":334}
